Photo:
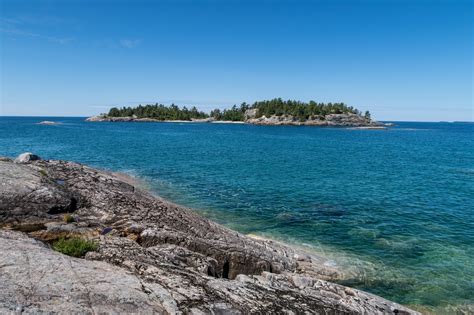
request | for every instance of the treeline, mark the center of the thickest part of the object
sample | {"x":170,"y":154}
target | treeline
{"x":232,"y":114}
{"x":158,"y":111}
{"x":300,"y":109}
{"x":277,"y":106}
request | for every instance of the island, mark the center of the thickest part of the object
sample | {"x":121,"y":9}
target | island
{"x":75,"y":239}
{"x":268,"y":112}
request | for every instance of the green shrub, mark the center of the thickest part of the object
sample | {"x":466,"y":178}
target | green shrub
{"x":68,"y":218}
{"x":43,"y":172}
{"x":74,"y":246}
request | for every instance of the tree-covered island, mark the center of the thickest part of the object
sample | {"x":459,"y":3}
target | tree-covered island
{"x":268,"y":112}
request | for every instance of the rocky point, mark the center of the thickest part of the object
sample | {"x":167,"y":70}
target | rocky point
{"x":153,"y":256}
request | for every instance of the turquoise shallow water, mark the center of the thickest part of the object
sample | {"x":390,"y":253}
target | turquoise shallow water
{"x":394,"y":208}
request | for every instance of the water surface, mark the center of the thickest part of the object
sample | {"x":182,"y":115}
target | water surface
{"x":393,"y":208}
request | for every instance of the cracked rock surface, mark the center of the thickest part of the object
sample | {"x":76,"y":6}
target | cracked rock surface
{"x":35,"y":279}
{"x":153,"y":256}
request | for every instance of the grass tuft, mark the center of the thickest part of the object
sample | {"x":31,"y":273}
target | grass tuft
{"x":74,"y":246}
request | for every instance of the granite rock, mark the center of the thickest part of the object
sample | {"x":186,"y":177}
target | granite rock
{"x":26,"y":158}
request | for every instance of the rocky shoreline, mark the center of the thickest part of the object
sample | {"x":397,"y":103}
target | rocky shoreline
{"x":153,"y":256}
{"x":332,"y":120}
{"x":145,"y":120}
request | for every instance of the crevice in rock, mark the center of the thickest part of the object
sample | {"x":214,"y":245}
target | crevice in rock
{"x":73,"y":205}
{"x":210,"y":272}
{"x":64,"y":209}
{"x":139,"y":240}
{"x":225,"y":270}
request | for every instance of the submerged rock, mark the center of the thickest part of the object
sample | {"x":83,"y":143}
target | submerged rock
{"x":47,"y":122}
{"x":157,"y":257}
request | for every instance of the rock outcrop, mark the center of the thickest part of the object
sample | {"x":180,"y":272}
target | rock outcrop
{"x":153,"y":256}
{"x":34,"y":279}
{"x":331,"y":120}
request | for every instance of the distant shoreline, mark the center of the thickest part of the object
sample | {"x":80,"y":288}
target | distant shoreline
{"x":351,"y":121}
{"x":152,"y":120}
{"x":381,"y":121}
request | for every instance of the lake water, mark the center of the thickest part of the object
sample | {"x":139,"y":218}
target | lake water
{"x":393,"y":208}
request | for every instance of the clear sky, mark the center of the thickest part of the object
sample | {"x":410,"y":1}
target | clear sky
{"x":402,"y":60}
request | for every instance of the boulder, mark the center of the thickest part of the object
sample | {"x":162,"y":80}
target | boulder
{"x":27,"y":157}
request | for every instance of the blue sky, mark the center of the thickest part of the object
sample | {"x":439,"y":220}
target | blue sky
{"x":402,"y":60}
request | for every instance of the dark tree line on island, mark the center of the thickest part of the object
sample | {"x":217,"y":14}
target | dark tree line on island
{"x":158,"y":111}
{"x":277,"y":106}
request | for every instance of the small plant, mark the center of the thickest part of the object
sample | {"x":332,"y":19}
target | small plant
{"x":43,"y":172}
{"x":68,"y":218}
{"x":74,"y":246}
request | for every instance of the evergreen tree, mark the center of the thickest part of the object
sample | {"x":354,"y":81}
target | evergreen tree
{"x":367,"y":115}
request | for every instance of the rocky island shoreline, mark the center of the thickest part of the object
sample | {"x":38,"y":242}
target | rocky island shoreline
{"x":333,"y":120}
{"x":272,"y":112}
{"x":150,"y":255}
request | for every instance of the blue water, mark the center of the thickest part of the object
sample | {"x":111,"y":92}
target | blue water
{"x":394,"y":208}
